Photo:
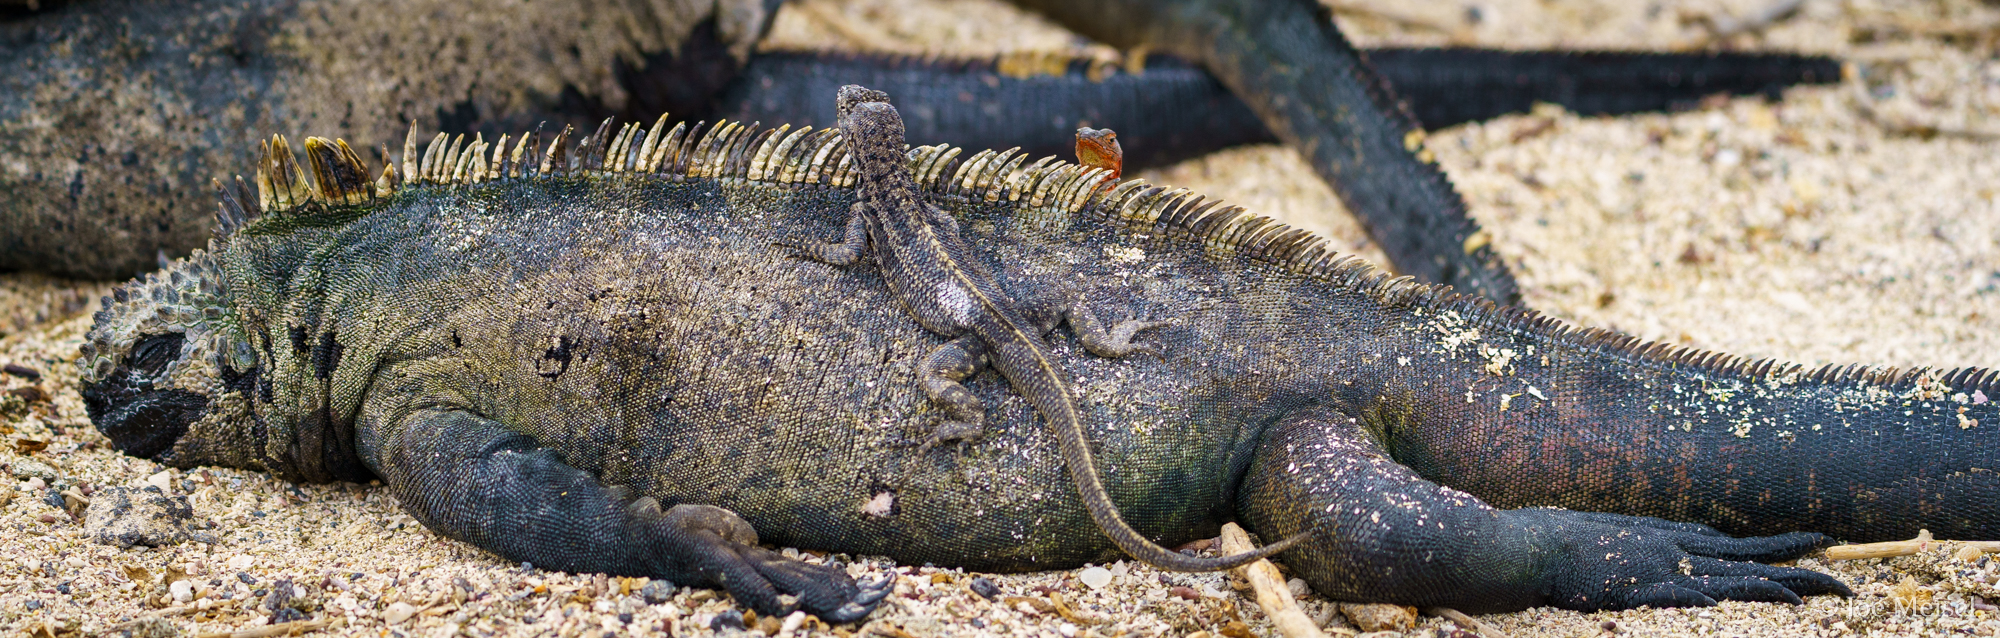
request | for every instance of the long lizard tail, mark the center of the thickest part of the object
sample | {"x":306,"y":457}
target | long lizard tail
{"x":1018,"y":355}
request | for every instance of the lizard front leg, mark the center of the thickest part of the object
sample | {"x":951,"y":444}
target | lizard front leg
{"x":470,"y":478}
{"x":852,"y":246}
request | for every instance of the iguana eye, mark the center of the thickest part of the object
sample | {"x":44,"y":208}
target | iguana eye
{"x":153,"y":353}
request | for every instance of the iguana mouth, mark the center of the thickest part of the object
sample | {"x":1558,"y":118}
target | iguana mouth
{"x":140,"y":420}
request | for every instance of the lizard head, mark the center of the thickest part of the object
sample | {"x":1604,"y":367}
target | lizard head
{"x":165,"y":375}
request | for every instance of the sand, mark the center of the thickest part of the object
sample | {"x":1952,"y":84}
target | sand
{"x":1845,"y":223}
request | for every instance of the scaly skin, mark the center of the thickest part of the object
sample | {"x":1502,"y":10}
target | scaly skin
{"x":931,"y":271}
{"x":575,"y":369}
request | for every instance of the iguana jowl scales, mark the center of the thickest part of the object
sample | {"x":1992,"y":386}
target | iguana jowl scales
{"x":933,"y":274}
{"x":539,"y":355}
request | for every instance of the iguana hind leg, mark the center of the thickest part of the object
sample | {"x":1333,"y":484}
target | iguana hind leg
{"x":470,"y":478}
{"x":1384,"y":534}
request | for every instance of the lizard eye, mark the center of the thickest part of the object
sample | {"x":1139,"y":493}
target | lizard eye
{"x":154,"y":353}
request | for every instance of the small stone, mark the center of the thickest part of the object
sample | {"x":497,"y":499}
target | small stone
{"x":658,"y":591}
{"x":1095,"y":577}
{"x":34,"y":483}
{"x":240,"y":562}
{"x":398,"y":612}
{"x":182,"y":591}
{"x":1298,"y":587}
{"x":155,"y":627}
{"x":25,"y":468}
{"x":792,"y":623}
{"x":1067,"y":630}
{"x":32,"y":605}
{"x":288,"y":614}
{"x":125,"y":517}
{"x":1609,"y":626}
{"x":985,"y":588}
{"x":22,"y":371}
{"x":728,"y":619}
{"x":246,"y":578}
{"x":163,"y":479}
{"x":1184,"y":592}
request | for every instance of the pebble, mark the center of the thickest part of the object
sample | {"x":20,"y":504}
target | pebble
{"x":240,"y":562}
{"x":1298,"y":587}
{"x":124,"y":517}
{"x":398,"y":612}
{"x":22,"y":371}
{"x":657,"y":591}
{"x":28,"y":469}
{"x":1184,"y":592}
{"x":985,"y":588}
{"x":728,"y":619}
{"x":1095,"y":577}
{"x":792,"y":623}
{"x":1068,"y":630}
{"x":164,"y":479}
{"x":182,"y":590}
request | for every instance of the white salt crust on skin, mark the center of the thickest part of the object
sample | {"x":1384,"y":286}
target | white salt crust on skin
{"x":1816,"y":236}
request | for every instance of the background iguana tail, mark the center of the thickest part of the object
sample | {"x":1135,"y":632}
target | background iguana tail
{"x":1173,"y":110}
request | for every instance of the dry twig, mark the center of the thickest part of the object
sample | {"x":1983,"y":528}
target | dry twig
{"x":1922,"y":542}
{"x":1272,"y":594}
{"x":1484,"y":630}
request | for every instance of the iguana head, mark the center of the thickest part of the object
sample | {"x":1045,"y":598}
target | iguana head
{"x":165,"y":376}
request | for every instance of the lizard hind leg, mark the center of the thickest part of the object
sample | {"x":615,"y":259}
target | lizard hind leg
{"x":942,"y":374}
{"x":1116,"y":342}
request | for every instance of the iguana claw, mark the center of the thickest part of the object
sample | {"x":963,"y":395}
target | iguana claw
{"x":870,"y":595}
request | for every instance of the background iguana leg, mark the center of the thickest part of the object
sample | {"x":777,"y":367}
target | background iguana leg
{"x":470,"y":478}
{"x":941,"y":374}
{"x":1385,"y":534}
{"x":1310,"y":86}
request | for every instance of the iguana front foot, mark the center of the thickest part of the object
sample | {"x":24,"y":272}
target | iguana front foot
{"x":474,"y":479}
{"x":724,"y":549}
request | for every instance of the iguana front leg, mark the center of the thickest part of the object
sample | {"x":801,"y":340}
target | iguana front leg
{"x":470,"y":478}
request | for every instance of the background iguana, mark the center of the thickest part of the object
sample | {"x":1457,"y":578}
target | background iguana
{"x":229,"y":70}
{"x":491,"y":335}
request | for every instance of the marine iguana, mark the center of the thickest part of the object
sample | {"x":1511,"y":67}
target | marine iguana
{"x":129,"y":79}
{"x":927,"y":265}
{"x":518,"y":346}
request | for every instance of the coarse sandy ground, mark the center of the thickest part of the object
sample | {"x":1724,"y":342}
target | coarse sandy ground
{"x":1848,"y":223}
